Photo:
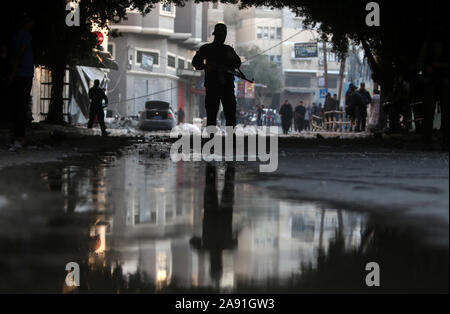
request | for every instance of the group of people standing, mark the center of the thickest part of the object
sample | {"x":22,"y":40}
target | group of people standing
{"x":357,"y":102}
{"x":360,"y":106}
{"x":300,"y":117}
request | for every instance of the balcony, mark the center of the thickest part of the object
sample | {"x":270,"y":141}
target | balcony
{"x":188,"y":73}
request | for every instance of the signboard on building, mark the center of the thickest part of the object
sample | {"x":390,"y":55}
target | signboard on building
{"x":323,"y":93}
{"x":198,"y":86}
{"x":147,"y":62}
{"x":245,"y":90}
{"x":306,"y":50}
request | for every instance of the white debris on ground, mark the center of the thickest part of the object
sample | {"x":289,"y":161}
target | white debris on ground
{"x":188,"y":128}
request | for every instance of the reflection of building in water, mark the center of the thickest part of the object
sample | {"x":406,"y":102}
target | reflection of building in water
{"x":159,"y":208}
{"x":152,"y":229}
{"x":84,"y":190}
{"x":278,"y":242}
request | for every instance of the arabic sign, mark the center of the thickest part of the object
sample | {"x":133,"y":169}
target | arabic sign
{"x":246,"y":90}
{"x":306,"y":50}
{"x":147,"y":62}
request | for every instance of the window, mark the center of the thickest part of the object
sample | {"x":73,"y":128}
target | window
{"x":272,"y":32}
{"x":155,"y":56}
{"x":167,"y":8}
{"x":181,"y":64}
{"x":171,"y":61}
{"x":259,"y":32}
{"x":278,"y":32}
{"x":266,"y":33}
{"x":332,"y":82}
{"x":293,"y":80}
{"x":331,"y":56}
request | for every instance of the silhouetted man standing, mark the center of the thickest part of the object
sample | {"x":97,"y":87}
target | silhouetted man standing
{"x":286,"y":113}
{"x":97,"y":95}
{"x":180,"y":115}
{"x":22,"y":78}
{"x":215,"y":58}
{"x":300,"y":114}
{"x":362,"y":114}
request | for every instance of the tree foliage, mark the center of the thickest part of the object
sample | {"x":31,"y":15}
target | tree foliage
{"x":264,"y":71}
{"x":392,"y":49}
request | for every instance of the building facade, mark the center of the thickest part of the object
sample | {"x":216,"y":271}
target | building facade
{"x":278,"y":34}
{"x":154,"y":54}
{"x":303,"y":74}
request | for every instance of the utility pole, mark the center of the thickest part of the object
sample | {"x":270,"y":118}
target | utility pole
{"x":325,"y":64}
{"x":341,"y":79}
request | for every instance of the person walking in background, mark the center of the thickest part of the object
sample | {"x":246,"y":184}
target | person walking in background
{"x":362,"y":110}
{"x":320,"y":110}
{"x":219,"y":83}
{"x":300,"y":113}
{"x":314,"y":110}
{"x":353,"y":107}
{"x":22,"y":74}
{"x":336,"y":103}
{"x":286,"y":113}
{"x":259,"y":114}
{"x":307,"y":124}
{"x":97,"y":96}
{"x":329,"y":103}
{"x":180,"y":115}
{"x":374,"y":110}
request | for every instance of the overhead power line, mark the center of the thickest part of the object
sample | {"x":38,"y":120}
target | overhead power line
{"x":145,"y":96}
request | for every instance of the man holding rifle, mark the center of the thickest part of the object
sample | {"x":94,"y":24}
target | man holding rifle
{"x":221,"y":64}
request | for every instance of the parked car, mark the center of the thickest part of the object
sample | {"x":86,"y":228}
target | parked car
{"x":109,"y":116}
{"x":157,"y":116}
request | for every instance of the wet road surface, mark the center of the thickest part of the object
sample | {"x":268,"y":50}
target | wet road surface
{"x":140,"y":223}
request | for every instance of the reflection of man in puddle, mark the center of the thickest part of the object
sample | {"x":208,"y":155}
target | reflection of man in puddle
{"x":217,"y":220}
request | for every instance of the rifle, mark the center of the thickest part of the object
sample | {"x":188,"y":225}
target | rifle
{"x":236,"y":72}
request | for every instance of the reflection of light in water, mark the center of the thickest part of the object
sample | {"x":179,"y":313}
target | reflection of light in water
{"x":161,"y":276}
{"x":228,"y":270}
{"x":163,"y":262}
{"x":101,"y":232}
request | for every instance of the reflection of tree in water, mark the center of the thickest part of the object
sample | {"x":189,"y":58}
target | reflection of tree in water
{"x":406,"y":265}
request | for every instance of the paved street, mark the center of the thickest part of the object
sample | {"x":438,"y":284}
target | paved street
{"x":331,"y":207}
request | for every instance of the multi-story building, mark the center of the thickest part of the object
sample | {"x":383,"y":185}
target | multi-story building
{"x":279,"y":34}
{"x":303,"y":74}
{"x":154,"y":54}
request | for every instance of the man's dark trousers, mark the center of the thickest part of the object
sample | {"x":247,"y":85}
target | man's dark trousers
{"x":361,"y":117}
{"x":21,"y":90}
{"x":216,"y":94}
{"x":286,"y":125}
{"x":300,"y":124}
{"x":97,"y":111}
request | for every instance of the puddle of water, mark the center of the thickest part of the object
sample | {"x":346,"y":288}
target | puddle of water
{"x":136,"y":224}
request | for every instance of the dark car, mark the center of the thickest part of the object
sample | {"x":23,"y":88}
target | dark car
{"x":157,"y":117}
